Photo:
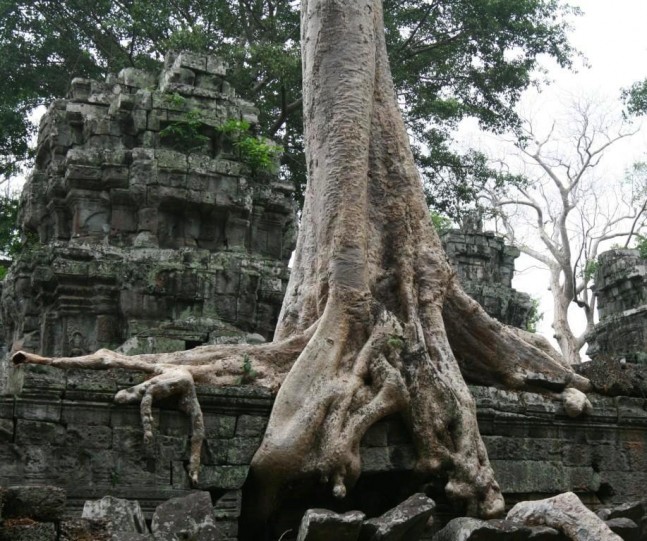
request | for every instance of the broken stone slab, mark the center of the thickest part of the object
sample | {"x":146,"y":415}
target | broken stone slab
{"x":186,"y":517}
{"x":129,"y":536}
{"x":405,"y":522}
{"x":325,"y":525}
{"x":632,"y":510}
{"x":38,"y":502}
{"x":121,"y":515}
{"x":27,"y":530}
{"x":625,"y":528}
{"x":472,"y":529}
{"x":566,"y":513}
{"x":81,"y":529}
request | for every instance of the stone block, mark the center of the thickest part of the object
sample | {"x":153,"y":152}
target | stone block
{"x":626,"y":528}
{"x":188,"y":517}
{"x":241,"y":450}
{"x":530,"y":476}
{"x":38,"y":410}
{"x":211,"y":477}
{"x":137,"y":77}
{"x":40,"y":502}
{"x":472,"y":529}
{"x":86,"y":412}
{"x":375,"y":459}
{"x":406,"y":521}
{"x":121,"y":515}
{"x":37,"y":432}
{"x":189,"y":60}
{"x":325,"y":525}
{"x":25,"y":530}
{"x":224,"y":426}
{"x":216,"y":66}
{"x":89,"y":436}
{"x":6,"y":407}
{"x":375,"y":436}
{"x":6,"y":430}
{"x":38,"y":379}
{"x":251,"y":425}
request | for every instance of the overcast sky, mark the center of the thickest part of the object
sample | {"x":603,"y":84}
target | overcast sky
{"x":612,"y":36}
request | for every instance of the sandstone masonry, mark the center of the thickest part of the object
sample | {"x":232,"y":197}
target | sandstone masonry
{"x":138,"y":237}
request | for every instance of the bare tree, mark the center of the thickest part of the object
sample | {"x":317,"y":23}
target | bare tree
{"x":374,"y":321}
{"x":564,"y":212}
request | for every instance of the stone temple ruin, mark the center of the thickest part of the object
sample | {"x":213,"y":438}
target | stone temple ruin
{"x":135,"y":244}
{"x":129,"y":237}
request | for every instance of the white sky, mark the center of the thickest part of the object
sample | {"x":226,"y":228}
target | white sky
{"x":612,"y":36}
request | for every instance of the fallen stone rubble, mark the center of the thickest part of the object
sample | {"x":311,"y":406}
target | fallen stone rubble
{"x":37,"y":513}
{"x":562,"y":518}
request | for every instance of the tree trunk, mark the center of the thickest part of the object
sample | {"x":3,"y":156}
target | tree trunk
{"x":569,"y":344}
{"x":371,"y":274}
{"x":372,"y":302}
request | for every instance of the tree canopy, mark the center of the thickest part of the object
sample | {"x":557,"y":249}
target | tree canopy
{"x":451,"y":59}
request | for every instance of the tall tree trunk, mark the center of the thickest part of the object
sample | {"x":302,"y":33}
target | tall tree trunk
{"x":569,"y":344}
{"x":372,"y":303}
{"x":371,"y":274}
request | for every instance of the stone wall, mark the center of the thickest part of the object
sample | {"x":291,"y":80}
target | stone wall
{"x":485,"y":267}
{"x":65,"y":430}
{"x":621,"y":287}
{"x":134,"y":233}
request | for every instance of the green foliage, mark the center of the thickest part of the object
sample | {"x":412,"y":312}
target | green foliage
{"x":185,"y":135}
{"x":249,"y":375}
{"x":260,"y":155}
{"x":635,"y":98}
{"x":451,"y":59}
{"x":175,"y":99}
{"x":589,"y":269}
{"x":641,"y":246}
{"x":395,"y":342}
{"x":9,"y":231}
{"x":441,"y":223}
{"x":534,"y":316}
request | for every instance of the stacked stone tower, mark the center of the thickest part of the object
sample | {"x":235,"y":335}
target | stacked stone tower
{"x":485,"y":267}
{"x":621,"y":287}
{"x":145,"y":228}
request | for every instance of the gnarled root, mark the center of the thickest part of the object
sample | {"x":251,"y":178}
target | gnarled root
{"x":490,"y":353}
{"x":176,"y":374}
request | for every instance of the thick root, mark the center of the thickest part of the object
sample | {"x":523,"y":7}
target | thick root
{"x":176,"y":374}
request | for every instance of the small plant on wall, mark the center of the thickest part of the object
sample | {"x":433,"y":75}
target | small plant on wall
{"x":260,"y":155}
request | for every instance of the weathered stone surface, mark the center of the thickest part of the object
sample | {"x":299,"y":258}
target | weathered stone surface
{"x":188,"y":517}
{"x":84,"y":530}
{"x":139,"y":239}
{"x":325,"y":525}
{"x":621,"y":288}
{"x":472,"y":529}
{"x":122,"y":515}
{"x":564,"y":512}
{"x":121,"y":536}
{"x":406,"y":521}
{"x":25,"y":530}
{"x":614,"y":377}
{"x":631,"y":510}
{"x":626,"y":528}
{"x":40,"y":502}
{"x":485,"y":266}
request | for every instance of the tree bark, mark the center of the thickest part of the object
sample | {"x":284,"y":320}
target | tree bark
{"x":372,"y":303}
